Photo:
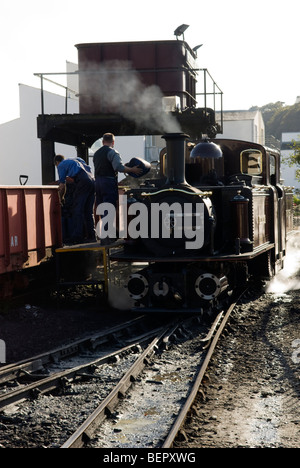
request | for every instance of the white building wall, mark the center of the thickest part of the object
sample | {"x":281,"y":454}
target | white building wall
{"x":237,"y":130}
{"x":20,"y":148}
{"x":288,"y":174}
{"x":243,"y":125}
{"x":288,"y":137}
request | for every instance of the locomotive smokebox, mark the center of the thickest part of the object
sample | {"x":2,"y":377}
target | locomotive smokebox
{"x":175,"y":158}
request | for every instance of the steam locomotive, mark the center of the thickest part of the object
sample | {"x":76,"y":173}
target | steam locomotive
{"x":216,"y":216}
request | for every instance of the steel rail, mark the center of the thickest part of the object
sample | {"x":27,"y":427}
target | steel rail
{"x":175,"y":429}
{"x":206,"y":340}
{"x":61,"y":379}
{"x":85,"y":432}
{"x":36,"y":363}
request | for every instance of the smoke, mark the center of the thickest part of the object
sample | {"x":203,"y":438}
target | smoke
{"x":117,"y":88}
{"x":288,"y":279}
{"x":118,"y":298}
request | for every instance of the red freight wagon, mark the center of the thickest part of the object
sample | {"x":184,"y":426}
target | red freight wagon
{"x":168,"y":64}
{"x":30,"y":227}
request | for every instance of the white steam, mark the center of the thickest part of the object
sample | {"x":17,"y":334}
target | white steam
{"x":118,"y":298}
{"x":288,"y":279}
{"x":117,"y":88}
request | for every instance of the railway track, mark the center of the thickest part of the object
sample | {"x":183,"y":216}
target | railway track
{"x":211,"y":341}
{"x":148,"y":361}
{"x":167,"y":413}
{"x":48,"y":371}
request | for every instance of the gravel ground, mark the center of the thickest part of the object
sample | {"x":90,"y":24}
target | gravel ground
{"x":48,"y":421}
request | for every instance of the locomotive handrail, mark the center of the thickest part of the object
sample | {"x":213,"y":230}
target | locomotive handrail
{"x":171,"y":189}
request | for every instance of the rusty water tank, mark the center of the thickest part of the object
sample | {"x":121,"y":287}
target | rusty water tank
{"x":168,"y":64}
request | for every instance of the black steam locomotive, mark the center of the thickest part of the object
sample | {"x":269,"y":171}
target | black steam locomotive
{"x":216,"y":215}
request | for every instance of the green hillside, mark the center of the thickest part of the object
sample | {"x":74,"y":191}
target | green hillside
{"x":279,"y":118}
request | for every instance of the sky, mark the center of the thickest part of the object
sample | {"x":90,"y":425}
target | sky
{"x":251,"y":49}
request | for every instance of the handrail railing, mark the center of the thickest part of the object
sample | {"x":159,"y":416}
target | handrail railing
{"x":216,"y":91}
{"x":67,"y":89}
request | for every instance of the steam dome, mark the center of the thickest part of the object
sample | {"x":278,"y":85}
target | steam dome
{"x":206,"y":149}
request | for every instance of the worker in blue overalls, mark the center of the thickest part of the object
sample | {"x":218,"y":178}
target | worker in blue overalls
{"x":82,"y":219}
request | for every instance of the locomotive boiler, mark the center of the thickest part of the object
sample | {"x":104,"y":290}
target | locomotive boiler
{"x":215,"y":217}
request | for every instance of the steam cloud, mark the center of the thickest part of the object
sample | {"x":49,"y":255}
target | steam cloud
{"x":118,"y":298}
{"x":288,"y":278}
{"x":119,"y":89}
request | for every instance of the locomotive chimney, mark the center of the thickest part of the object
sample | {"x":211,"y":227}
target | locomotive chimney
{"x":175,"y":158}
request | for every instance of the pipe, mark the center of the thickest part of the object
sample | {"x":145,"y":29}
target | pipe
{"x":175,"y":158}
